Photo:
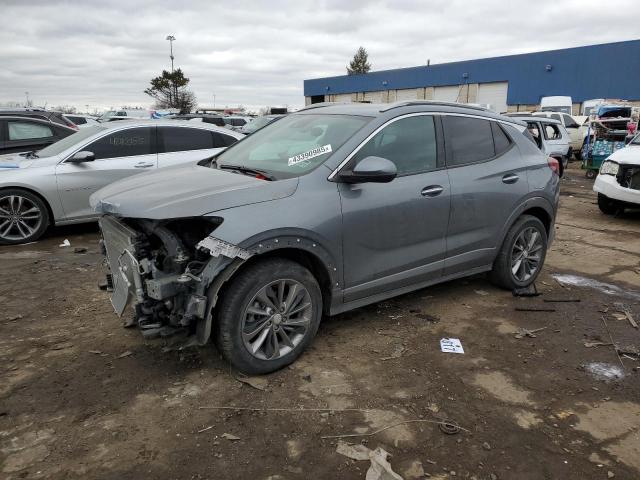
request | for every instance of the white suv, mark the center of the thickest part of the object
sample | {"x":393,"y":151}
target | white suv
{"x":618,"y":184}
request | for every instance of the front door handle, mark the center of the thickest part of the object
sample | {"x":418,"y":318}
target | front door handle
{"x":432,"y":191}
{"x":510,"y":178}
{"x":144,"y":165}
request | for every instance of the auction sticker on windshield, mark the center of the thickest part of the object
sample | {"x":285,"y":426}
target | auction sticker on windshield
{"x":316,"y":152}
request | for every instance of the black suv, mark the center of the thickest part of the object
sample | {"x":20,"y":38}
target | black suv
{"x":206,"y":118}
{"x":24,"y":134}
{"x":53,"y":117}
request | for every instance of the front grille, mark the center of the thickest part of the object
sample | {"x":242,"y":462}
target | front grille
{"x":629,"y":176}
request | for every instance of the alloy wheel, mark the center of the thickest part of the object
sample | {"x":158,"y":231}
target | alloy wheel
{"x":20,"y":217}
{"x":526,"y":254}
{"x":276,"y":319}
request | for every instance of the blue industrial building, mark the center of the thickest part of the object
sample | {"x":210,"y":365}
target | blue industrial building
{"x":610,"y":71}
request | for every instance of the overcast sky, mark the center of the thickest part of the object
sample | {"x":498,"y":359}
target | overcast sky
{"x":103,"y":53}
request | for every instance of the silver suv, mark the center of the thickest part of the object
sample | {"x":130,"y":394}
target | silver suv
{"x":328,"y":209}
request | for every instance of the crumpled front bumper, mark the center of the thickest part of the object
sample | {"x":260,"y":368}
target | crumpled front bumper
{"x":120,"y":241}
{"x":608,"y":186}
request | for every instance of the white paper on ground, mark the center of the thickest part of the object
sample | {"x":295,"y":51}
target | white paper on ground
{"x":451,"y":345}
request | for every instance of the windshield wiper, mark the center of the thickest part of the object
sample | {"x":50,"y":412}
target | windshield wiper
{"x":247,"y":171}
{"x":32,"y":154}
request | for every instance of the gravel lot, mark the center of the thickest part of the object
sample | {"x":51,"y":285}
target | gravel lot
{"x":81,"y":397}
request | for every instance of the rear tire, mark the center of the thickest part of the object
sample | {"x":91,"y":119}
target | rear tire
{"x":24,"y":217}
{"x":260,"y":328}
{"x":607,"y":205}
{"x":522,"y":254}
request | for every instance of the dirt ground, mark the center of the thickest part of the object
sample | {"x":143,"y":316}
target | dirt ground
{"x":81,"y":397}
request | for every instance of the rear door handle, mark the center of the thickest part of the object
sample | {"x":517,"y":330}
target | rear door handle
{"x":432,"y":191}
{"x":144,"y":165}
{"x":510,"y":178}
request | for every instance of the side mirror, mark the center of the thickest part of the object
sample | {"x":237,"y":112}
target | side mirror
{"x":371,"y":169}
{"x":81,"y":157}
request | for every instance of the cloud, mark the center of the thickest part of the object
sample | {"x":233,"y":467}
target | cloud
{"x":104,"y":52}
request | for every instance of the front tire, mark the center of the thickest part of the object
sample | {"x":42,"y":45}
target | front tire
{"x":23,"y":216}
{"x":521,"y":255}
{"x":268,"y":315}
{"x":607,"y":205}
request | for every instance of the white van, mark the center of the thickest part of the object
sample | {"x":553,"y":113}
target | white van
{"x":589,"y":106}
{"x":556,"y":104}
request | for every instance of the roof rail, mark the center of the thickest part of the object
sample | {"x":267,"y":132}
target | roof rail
{"x":323,"y":104}
{"x":434,"y":103}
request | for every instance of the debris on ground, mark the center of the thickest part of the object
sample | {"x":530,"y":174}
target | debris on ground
{"x":451,"y":345}
{"x":65,"y":243}
{"x":626,"y":312}
{"x":605,"y":288}
{"x":128,"y":353}
{"x":230,"y":437}
{"x":259,"y":383}
{"x":397,"y":353}
{"x":534,"y":309}
{"x":597,"y":344}
{"x":449,"y":427}
{"x":523,"y":332}
{"x":604,"y":371}
{"x":561,"y":300}
{"x":482,"y":293}
{"x":380,"y":468}
{"x":530,"y":291}
{"x":80,"y":250}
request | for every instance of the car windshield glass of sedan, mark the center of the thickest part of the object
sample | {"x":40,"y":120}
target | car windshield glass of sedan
{"x":292,"y":146}
{"x":68,"y":142}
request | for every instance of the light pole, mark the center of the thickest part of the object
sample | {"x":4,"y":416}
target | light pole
{"x":214,"y":101}
{"x":171,"y":39}
{"x":26,"y":94}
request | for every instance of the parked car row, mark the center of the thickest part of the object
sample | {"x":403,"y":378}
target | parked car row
{"x":52,"y":185}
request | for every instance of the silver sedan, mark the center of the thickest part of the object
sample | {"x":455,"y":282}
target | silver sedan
{"x":52,"y":186}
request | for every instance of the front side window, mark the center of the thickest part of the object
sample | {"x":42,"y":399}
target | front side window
{"x":294,"y":145}
{"x":410,"y":143}
{"x":470,"y":140}
{"x":180,"y":139}
{"x":569,"y":122}
{"x":23,"y":130}
{"x":124,"y":143}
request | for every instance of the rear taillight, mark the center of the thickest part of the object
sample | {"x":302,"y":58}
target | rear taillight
{"x":554,"y":165}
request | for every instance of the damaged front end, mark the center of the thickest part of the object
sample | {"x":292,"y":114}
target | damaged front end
{"x":170,"y":270}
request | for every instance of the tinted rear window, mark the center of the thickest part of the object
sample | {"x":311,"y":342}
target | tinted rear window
{"x":469,"y":140}
{"x":220,"y":140}
{"x":180,"y":139}
{"x":501,"y":140}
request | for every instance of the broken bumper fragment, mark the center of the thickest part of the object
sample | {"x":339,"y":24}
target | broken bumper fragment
{"x":165,"y":278}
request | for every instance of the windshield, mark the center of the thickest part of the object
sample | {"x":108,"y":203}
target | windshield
{"x":293,"y":145}
{"x":636,"y":140}
{"x":257,"y":123}
{"x":67,"y":142}
{"x":558,"y":108}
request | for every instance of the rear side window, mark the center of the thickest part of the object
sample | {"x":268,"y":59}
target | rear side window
{"x":78,"y":120}
{"x":410,"y":143}
{"x":501,"y":140}
{"x":555,"y":116}
{"x":125,"y":143}
{"x":469,"y":140}
{"x":552,"y":132}
{"x":215,"y":121}
{"x":220,"y":140}
{"x":181,"y":139}
{"x":24,"y":130}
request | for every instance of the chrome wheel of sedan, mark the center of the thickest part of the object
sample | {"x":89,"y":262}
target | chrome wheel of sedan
{"x":526,"y":254}
{"x":21,"y":218}
{"x":276,"y":319}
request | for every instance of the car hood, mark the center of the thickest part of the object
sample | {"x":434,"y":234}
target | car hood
{"x":13,"y":161}
{"x":627,"y":155}
{"x":186,"y":191}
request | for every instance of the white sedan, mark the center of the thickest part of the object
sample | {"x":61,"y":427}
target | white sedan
{"x":53,"y":185}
